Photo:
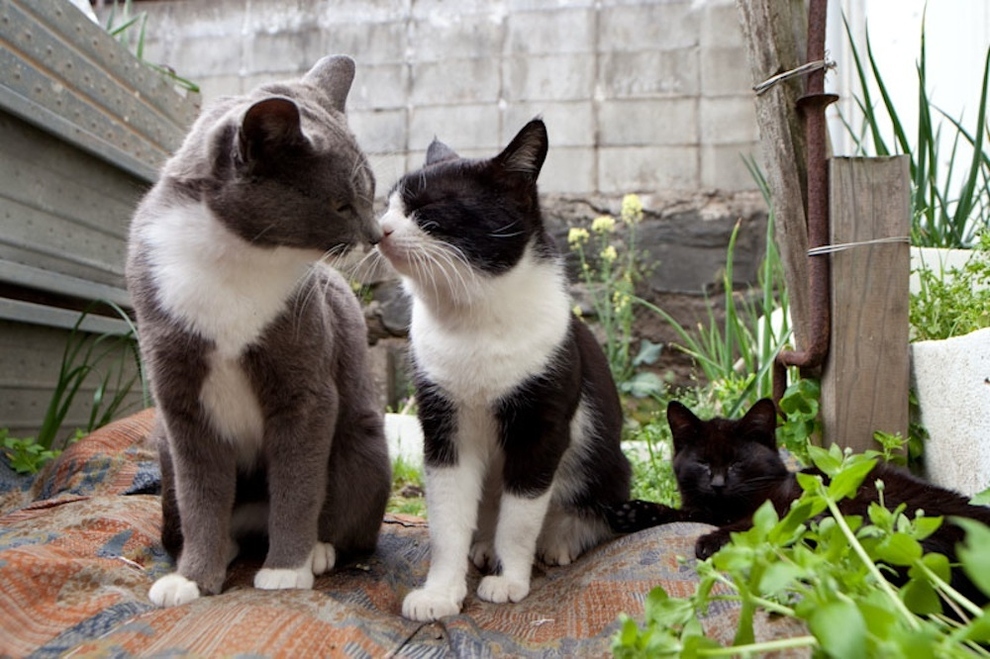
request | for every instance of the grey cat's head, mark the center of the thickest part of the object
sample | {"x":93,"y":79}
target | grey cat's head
{"x":279,"y":166}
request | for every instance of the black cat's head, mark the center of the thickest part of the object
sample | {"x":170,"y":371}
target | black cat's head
{"x":726,"y":465}
{"x":280,"y":168}
{"x":457,"y":220}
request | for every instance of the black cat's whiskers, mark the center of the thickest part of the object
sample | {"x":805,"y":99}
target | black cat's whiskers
{"x":500,"y":232}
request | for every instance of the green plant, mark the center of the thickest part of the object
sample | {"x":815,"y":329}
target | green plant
{"x":955,"y":301}
{"x":736,"y":355}
{"x":124,"y":33}
{"x":101,"y":360}
{"x":950,"y":197}
{"x":610,"y":276}
{"x":407,"y":489}
{"x":799,"y":409}
{"x":829,"y":571}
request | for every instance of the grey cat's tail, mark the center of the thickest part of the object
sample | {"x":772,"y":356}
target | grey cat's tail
{"x":636,"y":515}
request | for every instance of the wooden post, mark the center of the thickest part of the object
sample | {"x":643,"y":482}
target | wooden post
{"x":866,"y":376}
{"x":775,"y":32}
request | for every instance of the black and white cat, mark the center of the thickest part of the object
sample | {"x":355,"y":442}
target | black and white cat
{"x":519,"y":411}
{"x":268,"y":420}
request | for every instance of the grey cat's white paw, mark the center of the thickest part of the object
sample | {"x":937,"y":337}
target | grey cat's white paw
{"x":500,"y":589}
{"x":283,"y":578}
{"x":173,"y":590}
{"x":482,"y":554}
{"x":427,"y":605}
{"x":324,"y":558}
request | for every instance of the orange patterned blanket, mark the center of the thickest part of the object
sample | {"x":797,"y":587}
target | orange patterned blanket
{"x":79,"y":548}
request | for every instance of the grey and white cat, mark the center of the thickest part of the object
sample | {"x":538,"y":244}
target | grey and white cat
{"x":520,"y":415}
{"x":256,"y":350}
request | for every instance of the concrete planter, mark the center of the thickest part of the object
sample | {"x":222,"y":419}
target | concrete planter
{"x":952,"y":381}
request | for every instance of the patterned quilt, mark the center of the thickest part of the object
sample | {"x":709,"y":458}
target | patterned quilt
{"x":79,"y":548}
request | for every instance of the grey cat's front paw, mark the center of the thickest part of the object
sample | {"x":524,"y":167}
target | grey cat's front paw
{"x":283,"y":578}
{"x":173,"y":590}
{"x":500,"y":589}
{"x":427,"y":605}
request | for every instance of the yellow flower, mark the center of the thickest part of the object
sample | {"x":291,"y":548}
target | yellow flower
{"x":632,"y":209}
{"x":577,"y":236}
{"x":603,"y":224}
{"x":577,"y":310}
{"x":609,"y":254}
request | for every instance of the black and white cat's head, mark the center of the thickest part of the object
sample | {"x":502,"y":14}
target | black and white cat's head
{"x":457,"y":221}
{"x":721,"y":462}
{"x":279,"y":167}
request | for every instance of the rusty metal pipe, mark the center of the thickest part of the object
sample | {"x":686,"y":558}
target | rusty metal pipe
{"x":812,"y":106}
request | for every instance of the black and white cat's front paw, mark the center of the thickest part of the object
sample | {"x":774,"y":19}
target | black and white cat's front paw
{"x":429,"y":604}
{"x":500,"y":589}
{"x":707,"y":545}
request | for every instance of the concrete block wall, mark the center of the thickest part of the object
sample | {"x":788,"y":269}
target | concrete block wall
{"x":638,"y":96}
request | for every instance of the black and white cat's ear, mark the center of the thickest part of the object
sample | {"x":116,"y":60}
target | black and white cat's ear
{"x":683,"y":425}
{"x":334,"y":75}
{"x":439,"y":152}
{"x":267,"y":126}
{"x":527,"y":150}
{"x":760,"y":422}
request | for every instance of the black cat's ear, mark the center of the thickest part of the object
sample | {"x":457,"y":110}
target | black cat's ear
{"x":760,"y":423}
{"x":527,"y":150}
{"x":334,"y":75}
{"x":268,"y":126}
{"x":683,"y":425}
{"x":439,"y":152}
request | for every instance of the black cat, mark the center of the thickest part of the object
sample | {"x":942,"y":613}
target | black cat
{"x":726,"y":469}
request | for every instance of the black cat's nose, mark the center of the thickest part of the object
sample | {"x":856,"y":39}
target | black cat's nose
{"x":718,"y":482}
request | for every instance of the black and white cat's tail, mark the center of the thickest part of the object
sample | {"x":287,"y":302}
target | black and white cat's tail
{"x":636,"y":515}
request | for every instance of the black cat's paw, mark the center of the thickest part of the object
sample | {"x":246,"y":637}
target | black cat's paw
{"x":636,"y":515}
{"x":710,"y":543}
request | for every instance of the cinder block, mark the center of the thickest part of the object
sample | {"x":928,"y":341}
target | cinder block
{"x":725,"y":71}
{"x":210,"y":87}
{"x":382,"y":86}
{"x":455,"y":81}
{"x":548,"y":77}
{"x":728,"y":119}
{"x":441,"y":10}
{"x":568,"y":170}
{"x":556,"y":32}
{"x":513,"y":6}
{"x":461,"y":127}
{"x":645,"y":122}
{"x":457,"y":36}
{"x":648,"y":169}
{"x":198,"y":57}
{"x":720,"y":26}
{"x":657,"y":27}
{"x":283,"y":51}
{"x":723,"y":167}
{"x":380,"y":131}
{"x":367,"y":43}
{"x":649,"y":73}
{"x":569,"y":123}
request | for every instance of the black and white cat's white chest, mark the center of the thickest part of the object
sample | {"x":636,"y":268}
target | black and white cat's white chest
{"x":478,"y":335}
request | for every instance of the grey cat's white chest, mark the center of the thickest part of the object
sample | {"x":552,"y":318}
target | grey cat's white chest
{"x":218,"y":285}
{"x":233,"y":408}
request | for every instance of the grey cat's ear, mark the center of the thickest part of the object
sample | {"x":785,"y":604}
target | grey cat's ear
{"x":683,"y":424}
{"x":527,"y":150}
{"x":760,"y":422}
{"x":438,"y":152}
{"x":334,"y":75}
{"x":267,"y":126}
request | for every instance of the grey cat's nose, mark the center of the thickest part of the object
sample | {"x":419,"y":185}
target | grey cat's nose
{"x":375,"y":234}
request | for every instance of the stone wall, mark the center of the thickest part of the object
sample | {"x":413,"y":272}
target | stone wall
{"x":638,"y":96}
